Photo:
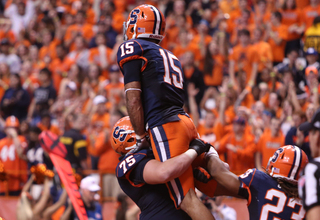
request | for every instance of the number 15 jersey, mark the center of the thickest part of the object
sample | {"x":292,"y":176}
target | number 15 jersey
{"x":161,"y":77}
{"x":266,"y":199}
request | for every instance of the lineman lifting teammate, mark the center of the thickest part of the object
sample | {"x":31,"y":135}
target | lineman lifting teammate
{"x":153,"y":80}
{"x":142,"y":177}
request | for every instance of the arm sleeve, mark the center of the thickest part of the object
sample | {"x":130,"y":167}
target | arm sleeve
{"x":246,"y":180}
{"x":131,"y":71}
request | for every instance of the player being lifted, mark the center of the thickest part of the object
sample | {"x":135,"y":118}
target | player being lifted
{"x":153,"y":80}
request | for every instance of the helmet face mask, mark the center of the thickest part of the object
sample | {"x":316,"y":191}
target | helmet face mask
{"x":287,"y":162}
{"x":144,"y":21}
{"x":125,"y":37}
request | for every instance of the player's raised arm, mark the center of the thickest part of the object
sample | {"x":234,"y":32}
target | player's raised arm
{"x":132,"y":63}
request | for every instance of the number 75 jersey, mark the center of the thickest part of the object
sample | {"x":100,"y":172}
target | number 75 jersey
{"x":266,"y":200}
{"x":161,"y":77}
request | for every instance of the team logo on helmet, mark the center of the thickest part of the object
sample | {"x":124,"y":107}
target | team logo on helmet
{"x":123,"y":136}
{"x":120,"y":134}
{"x":134,"y":15}
{"x":276,"y":155}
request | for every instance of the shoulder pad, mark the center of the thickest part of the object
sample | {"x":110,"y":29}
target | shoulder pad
{"x":129,"y":50}
{"x":247,"y":177}
{"x":130,"y":161}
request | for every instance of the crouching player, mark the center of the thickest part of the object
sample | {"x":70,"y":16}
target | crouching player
{"x":272,"y":194}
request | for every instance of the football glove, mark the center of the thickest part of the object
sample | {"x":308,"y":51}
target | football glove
{"x":201,"y":175}
{"x":199,"y":146}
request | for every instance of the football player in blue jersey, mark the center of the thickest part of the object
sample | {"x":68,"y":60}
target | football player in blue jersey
{"x":142,"y":177}
{"x":153,"y":79}
{"x":272,"y":194}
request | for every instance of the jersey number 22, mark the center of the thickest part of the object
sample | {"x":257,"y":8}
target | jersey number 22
{"x":277,"y":209}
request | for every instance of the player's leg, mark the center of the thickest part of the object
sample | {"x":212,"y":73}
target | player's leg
{"x":170,"y":140}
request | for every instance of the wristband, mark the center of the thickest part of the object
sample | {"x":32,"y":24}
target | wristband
{"x":222,"y":95}
{"x":191,"y":153}
{"x":211,"y":152}
{"x":140,"y":137}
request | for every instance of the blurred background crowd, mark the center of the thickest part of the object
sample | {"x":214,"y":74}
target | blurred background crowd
{"x":251,"y":78}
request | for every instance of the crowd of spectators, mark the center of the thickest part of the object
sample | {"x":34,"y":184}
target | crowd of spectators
{"x":250,"y":68}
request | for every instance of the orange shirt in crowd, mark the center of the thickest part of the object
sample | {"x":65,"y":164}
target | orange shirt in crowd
{"x":9,"y":35}
{"x":244,"y":57}
{"x":114,"y":86}
{"x":302,"y":3}
{"x":121,"y":5}
{"x":170,"y":21}
{"x":12,"y":163}
{"x":58,"y":68}
{"x":117,"y":21}
{"x":290,"y":17}
{"x":215,"y":78}
{"x":102,"y":120}
{"x":268,"y":144}
{"x":308,"y":14}
{"x":172,"y":35}
{"x":248,"y":101}
{"x":234,"y":35}
{"x":108,"y":157}
{"x":261,"y":19}
{"x":265,"y":54}
{"x":227,"y":6}
{"x":37,"y":66}
{"x":85,"y":30}
{"x":212,"y":134}
{"x":54,"y":129}
{"x":49,"y":50}
{"x":234,"y":16}
{"x":229,"y":114}
{"x":278,"y":50}
{"x":94,"y":57}
{"x":24,"y":42}
{"x":90,"y":14}
{"x":243,"y":159}
{"x":180,"y":50}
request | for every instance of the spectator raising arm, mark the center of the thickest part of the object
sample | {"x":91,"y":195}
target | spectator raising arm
{"x":192,"y":92}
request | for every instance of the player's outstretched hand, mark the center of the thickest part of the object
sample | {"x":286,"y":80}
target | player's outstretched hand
{"x":201,"y":175}
{"x":199,"y":146}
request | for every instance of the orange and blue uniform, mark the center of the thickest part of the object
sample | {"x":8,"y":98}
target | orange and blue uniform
{"x":170,"y":128}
